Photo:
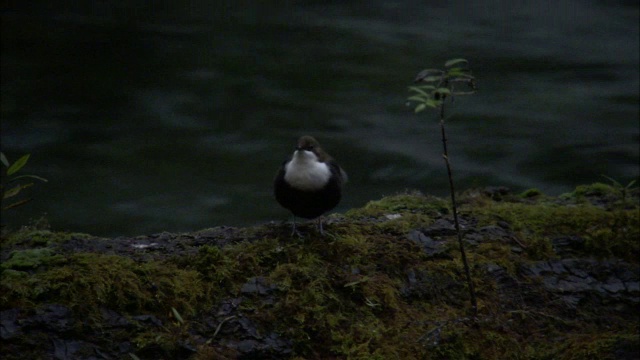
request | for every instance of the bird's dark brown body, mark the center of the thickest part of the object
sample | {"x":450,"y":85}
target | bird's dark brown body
{"x":308,"y":204}
{"x":310,"y":183}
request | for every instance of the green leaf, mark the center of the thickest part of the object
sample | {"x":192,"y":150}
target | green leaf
{"x":423,"y":90}
{"x":4,"y":159}
{"x":177,"y":315}
{"x":612,"y":180}
{"x":16,"y":204}
{"x":30,"y":177}
{"x":452,"y":62}
{"x":460,"y":69}
{"x":432,"y":78}
{"x":369,"y":302}
{"x":420,"y":107}
{"x":420,"y":98}
{"x":443,"y":90}
{"x":18,"y":164}
{"x":456,"y":72}
{"x":419,"y":90}
{"x":429,"y":75}
{"x":461,"y":78}
{"x":354,"y":283}
{"x":433,"y":103}
{"x":13,"y":192}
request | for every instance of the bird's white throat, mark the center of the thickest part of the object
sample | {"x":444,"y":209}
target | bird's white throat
{"x":305,"y":172}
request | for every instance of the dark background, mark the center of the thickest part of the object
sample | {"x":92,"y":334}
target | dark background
{"x":153,"y":116}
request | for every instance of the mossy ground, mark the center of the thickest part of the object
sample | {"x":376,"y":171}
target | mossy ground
{"x":364,"y":291}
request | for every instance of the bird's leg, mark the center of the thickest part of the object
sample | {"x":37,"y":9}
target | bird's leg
{"x":294,"y":231}
{"x":320,"y":226}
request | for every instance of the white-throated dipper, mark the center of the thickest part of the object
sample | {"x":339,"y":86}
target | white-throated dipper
{"x":310,"y":183}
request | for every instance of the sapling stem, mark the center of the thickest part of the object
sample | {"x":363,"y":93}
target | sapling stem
{"x":463,"y":255}
{"x":434,"y":87}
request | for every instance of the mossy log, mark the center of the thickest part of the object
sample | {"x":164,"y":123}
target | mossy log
{"x":556,"y":278}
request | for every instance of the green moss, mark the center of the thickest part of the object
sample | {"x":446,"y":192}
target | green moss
{"x":530,"y":193}
{"x":603,"y":346}
{"x":595,"y":189}
{"x":498,"y":253}
{"x":615,"y":235}
{"x":403,"y":203}
{"x":607,"y":232}
{"x":38,"y":237}
{"x":86,"y":282}
{"x":397,"y":214}
{"x":215,"y":267}
{"x":364,"y":291}
{"x":30,"y":259}
{"x":332,"y":291}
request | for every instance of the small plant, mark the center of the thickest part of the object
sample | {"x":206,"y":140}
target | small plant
{"x":623,"y":191}
{"x":435,"y":87}
{"x":20,"y":185}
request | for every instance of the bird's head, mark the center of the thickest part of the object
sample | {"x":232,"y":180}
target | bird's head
{"x":309,"y":147}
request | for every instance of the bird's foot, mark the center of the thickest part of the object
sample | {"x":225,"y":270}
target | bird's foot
{"x":294,"y":230}
{"x":320,"y":228}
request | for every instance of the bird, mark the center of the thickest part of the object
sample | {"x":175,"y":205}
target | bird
{"x":310,"y":182}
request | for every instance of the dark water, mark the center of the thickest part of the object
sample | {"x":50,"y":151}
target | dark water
{"x":174,"y":116}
